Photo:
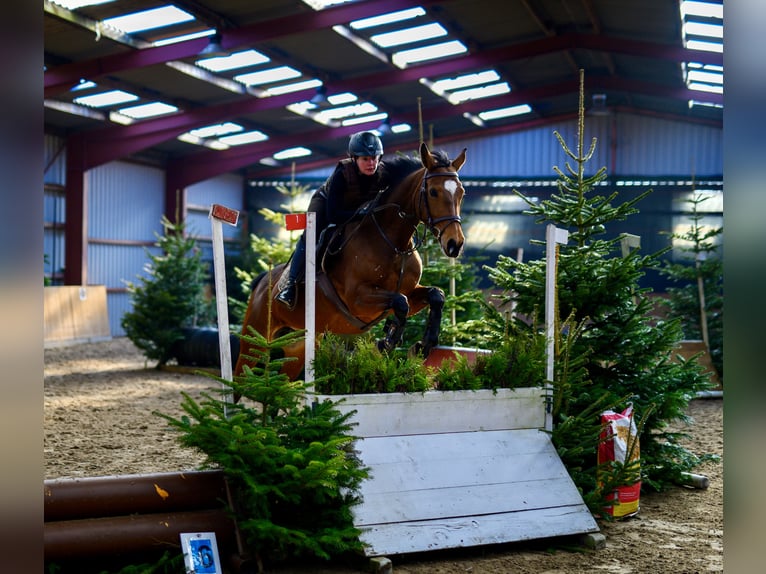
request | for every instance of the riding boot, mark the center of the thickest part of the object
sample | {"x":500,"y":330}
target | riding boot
{"x":295,"y":275}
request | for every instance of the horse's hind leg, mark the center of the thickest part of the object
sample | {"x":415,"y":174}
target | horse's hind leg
{"x":394,"y":326}
{"x":433,"y":323}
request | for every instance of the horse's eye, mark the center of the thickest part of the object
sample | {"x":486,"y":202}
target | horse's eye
{"x":432,"y":192}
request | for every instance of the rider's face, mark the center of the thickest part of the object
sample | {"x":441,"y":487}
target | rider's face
{"x":367,"y":165}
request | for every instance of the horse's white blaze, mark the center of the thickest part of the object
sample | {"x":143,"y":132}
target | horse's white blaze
{"x":451,"y":186}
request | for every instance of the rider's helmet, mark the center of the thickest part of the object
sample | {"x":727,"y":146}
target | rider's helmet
{"x":365,"y":144}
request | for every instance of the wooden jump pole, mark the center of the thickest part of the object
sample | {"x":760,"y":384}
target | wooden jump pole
{"x":218,"y":215}
{"x":307,"y":222}
{"x":553,"y":236}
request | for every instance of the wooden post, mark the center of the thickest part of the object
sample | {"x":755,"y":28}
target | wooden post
{"x":219,"y":214}
{"x":307,"y":222}
{"x":310,"y":295}
{"x":553,"y":236}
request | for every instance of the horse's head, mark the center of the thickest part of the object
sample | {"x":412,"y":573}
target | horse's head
{"x":441,"y":199}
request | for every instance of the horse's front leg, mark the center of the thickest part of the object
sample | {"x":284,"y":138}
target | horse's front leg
{"x":435,"y":299}
{"x":394,"y":327}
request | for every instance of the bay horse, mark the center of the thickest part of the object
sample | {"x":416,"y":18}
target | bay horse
{"x":372,"y":270}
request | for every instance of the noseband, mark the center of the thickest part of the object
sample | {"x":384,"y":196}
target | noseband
{"x":430,"y":221}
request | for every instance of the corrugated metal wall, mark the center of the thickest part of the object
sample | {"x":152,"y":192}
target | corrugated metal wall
{"x":225,"y":190}
{"x":53,"y":206}
{"x":126,"y":200}
{"x":125,"y":208}
{"x":640,"y":146}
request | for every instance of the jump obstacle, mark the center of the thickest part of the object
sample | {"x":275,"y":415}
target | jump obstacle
{"x":449,"y":469}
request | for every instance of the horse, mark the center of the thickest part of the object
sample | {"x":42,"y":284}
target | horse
{"x":371,"y":269}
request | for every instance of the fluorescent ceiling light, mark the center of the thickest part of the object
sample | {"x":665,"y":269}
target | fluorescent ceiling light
{"x":478,"y":93}
{"x":216,"y":130}
{"x":405,"y":57}
{"x":292,"y":152}
{"x":236,"y":60}
{"x":103,"y":99}
{"x":388,"y":18}
{"x":401,"y":128}
{"x":268,"y":76}
{"x":149,"y":19}
{"x":505,"y":112}
{"x":409,"y":35}
{"x":244,"y":138}
{"x":148,"y":110}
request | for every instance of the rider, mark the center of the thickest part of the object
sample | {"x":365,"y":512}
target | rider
{"x":355,"y":181}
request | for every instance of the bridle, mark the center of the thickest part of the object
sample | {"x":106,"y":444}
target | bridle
{"x":429,"y":220}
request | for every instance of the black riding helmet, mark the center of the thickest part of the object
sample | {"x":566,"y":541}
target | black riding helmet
{"x":365,"y":144}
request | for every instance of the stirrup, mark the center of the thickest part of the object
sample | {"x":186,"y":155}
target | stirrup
{"x":288,"y":295}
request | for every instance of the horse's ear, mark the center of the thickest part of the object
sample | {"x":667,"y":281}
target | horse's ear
{"x":458,"y":162}
{"x":426,"y":157}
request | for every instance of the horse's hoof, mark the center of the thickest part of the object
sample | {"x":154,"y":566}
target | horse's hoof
{"x":416,"y":351}
{"x":382,"y":346}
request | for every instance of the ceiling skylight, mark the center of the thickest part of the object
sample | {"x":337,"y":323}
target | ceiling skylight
{"x":294,"y":87}
{"x":149,"y":19}
{"x":216,"y":130}
{"x":110,"y":98}
{"x":233,"y":61}
{"x":183,"y":38}
{"x":74,"y":4}
{"x":389,"y":18}
{"x":702,"y":29}
{"x":148,"y":110}
{"x":505,"y":112}
{"x":244,"y":138}
{"x":268,"y":76}
{"x":291,"y":153}
{"x":445,"y":85}
{"x":406,"y":57}
{"x":479,"y":92}
{"x":409,"y":35}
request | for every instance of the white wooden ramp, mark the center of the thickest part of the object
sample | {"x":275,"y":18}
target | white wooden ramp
{"x":460,"y":468}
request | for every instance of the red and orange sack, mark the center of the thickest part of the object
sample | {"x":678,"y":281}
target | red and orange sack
{"x":619,"y":440}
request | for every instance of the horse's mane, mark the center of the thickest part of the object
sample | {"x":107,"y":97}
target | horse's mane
{"x":400,"y":166}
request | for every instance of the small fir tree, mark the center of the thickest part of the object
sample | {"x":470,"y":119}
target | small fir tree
{"x":290,"y":465}
{"x":697,"y":298}
{"x":170,"y":297}
{"x":622,"y":352}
